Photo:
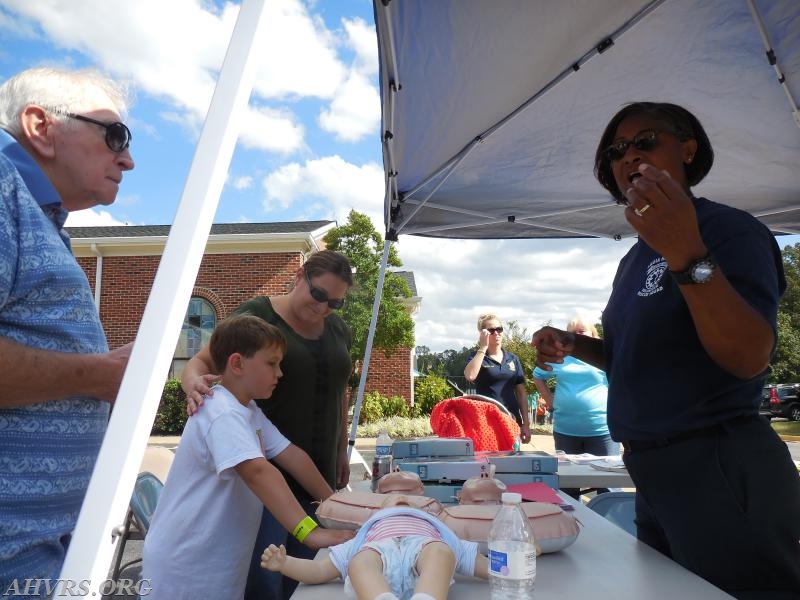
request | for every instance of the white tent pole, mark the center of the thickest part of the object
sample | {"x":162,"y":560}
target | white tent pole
{"x":383,"y":22}
{"x":117,"y":465}
{"x":453,"y":166}
{"x":368,"y":351}
{"x":773,"y":60}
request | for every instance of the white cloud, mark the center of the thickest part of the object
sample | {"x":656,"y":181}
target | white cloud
{"x":334,"y":184}
{"x":244,"y":182}
{"x":529,"y":281}
{"x":355,"y":110}
{"x":362,"y":39}
{"x":299,"y":54}
{"x":91,"y":217}
{"x":270,"y":129}
{"x":19,"y":27}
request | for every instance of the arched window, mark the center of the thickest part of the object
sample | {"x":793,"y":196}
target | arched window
{"x":198,"y":325}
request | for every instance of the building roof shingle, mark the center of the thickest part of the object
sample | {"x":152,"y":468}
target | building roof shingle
{"x":123,"y":231}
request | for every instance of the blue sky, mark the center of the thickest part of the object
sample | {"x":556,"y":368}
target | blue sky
{"x":310,"y":148}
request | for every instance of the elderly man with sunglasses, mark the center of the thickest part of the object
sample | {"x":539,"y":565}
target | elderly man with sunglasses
{"x":62,"y":148}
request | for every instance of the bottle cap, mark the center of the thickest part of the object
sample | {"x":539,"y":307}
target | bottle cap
{"x":511,"y":498}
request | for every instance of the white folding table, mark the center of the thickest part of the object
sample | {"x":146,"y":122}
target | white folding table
{"x":604,"y":562}
{"x":572,"y":475}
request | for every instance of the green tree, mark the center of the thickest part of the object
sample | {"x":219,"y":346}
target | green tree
{"x":790,"y":302}
{"x":363,"y":245}
{"x":429,"y":362}
{"x":786,"y":362}
{"x":448,"y":363}
{"x":517,"y":340}
{"x":428,"y":391}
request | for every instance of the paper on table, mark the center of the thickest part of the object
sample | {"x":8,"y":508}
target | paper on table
{"x":585,"y":458}
{"x":536,"y":492}
{"x":609,"y":463}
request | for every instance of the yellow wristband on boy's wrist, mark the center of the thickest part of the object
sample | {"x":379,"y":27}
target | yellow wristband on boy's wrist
{"x":303,"y":528}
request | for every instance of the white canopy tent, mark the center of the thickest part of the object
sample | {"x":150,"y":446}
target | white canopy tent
{"x":492,"y":110}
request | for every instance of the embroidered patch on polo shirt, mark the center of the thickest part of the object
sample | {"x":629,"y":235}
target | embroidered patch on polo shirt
{"x":652,"y":281}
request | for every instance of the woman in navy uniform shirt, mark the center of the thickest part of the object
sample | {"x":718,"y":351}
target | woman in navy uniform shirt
{"x":498,"y":373}
{"x":689,"y":331}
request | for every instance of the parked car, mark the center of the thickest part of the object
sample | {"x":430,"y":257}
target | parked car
{"x":763,"y":408}
{"x":783,"y":400}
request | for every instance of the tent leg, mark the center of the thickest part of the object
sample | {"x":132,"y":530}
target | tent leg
{"x":368,"y":351}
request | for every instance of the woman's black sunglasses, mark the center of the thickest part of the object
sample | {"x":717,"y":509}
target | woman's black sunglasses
{"x":645,"y":140}
{"x":494,"y":329}
{"x":118,"y":136}
{"x":322,"y":296}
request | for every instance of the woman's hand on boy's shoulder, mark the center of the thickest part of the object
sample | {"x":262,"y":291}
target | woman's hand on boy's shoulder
{"x":323,"y":538}
{"x":197,"y":390}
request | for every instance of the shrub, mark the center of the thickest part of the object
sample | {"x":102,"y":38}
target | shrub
{"x":376,"y":406}
{"x":396,"y":406}
{"x":371,"y":408}
{"x":398,"y":428}
{"x":171,"y":416}
{"x":428,"y":391}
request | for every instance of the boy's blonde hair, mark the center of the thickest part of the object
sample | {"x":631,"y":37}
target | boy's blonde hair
{"x":244,"y":334}
{"x":488,"y":317}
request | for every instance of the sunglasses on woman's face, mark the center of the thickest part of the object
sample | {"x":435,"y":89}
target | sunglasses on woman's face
{"x":322,"y":297}
{"x":494,"y":329}
{"x":645,"y":140}
{"x":118,"y":136}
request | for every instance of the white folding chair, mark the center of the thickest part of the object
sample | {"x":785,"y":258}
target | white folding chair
{"x":146,"y":492}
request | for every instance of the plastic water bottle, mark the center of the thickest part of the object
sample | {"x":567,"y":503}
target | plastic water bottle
{"x":382,"y":463}
{"x":512,"y":553}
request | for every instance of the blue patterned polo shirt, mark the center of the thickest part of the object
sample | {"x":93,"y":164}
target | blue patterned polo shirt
{"x":47,"y":450}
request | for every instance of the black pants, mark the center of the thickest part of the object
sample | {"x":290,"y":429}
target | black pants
{"x":725,"y":504}
{"x":268,"y":585}
{"x":599,"y":445}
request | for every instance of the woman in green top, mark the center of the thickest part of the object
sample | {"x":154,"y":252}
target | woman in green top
{"x":309,"y":405}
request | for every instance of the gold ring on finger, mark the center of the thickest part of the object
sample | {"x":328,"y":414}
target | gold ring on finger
{"x":640,"y":211}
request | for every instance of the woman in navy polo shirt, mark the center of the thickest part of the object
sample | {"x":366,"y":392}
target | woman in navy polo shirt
{"x":689,"y":331}
{"x":498,"y":373}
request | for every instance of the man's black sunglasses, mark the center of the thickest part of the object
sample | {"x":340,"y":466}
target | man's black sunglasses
{"x":494,"y":329}
{"x":645,"y":140}
{"x":118,"y":136}
{"x":322,"y":296}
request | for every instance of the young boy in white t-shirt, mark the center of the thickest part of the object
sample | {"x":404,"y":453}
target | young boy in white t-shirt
{"x":205,"y":525}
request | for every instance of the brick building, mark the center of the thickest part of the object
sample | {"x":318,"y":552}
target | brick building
{"x":241,"y":260}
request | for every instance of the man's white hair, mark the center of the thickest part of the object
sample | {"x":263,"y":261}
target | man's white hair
{"x":56,"y":90}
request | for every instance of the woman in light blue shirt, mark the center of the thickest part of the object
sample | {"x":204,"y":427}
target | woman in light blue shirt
{"x":579,"y":402}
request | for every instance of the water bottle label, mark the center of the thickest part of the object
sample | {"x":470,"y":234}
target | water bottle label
{"x":513,"y":564}
{"x":383,"y":450}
